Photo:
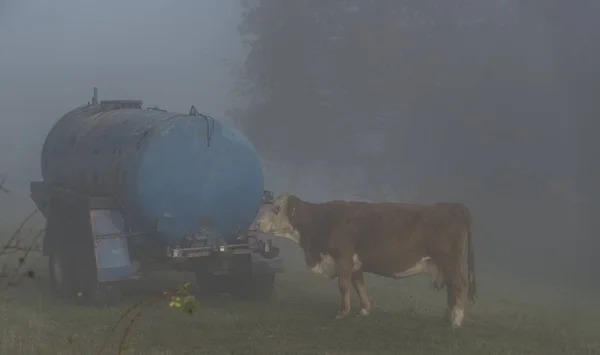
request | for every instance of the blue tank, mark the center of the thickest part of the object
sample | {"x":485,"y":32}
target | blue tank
{"x":192,"y":171}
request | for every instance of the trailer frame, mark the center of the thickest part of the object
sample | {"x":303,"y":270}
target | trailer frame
{"x":93,"y":268}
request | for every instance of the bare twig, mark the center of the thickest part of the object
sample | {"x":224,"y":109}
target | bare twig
{"x":17,"y":232}
{"x":114,"y":328}
{"x":176,"y":301}
{"x":22,"y":259}
{"x":149,"y":305}
{"x":15,"y":249}
{"x":15,"y":277}
{"x":2,"y":181}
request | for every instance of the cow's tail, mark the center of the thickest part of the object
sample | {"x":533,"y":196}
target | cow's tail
{"x":472,"y":291}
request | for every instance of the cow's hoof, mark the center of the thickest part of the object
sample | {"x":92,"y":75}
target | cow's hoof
{"x":363,"y":312}
{"x":456,"y":317}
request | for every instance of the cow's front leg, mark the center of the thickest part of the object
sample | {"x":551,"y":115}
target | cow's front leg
{"x":344,"y":271}
{"x":358,"y":282}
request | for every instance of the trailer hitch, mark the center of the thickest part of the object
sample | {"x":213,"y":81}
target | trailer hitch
{"x":267,"y":250}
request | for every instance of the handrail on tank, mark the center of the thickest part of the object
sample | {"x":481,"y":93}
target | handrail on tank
{"x":209,"y":127}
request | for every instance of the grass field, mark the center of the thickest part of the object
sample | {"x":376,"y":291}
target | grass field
{"x":507,"y":319}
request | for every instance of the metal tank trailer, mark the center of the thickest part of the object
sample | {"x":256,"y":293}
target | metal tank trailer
{"x":123,"y":185}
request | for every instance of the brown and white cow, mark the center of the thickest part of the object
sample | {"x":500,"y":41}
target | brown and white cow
{"x":343,"y":239}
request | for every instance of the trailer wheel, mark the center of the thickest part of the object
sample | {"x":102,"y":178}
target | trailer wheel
{"x":258,"y":288}
{"x":61,"y":279}
{"x":61,"y":270}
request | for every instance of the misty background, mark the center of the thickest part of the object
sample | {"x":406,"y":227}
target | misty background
{"x":493,"y":103}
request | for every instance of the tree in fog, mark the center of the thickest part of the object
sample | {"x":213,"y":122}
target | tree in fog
{"x":385,"y":85}
{"x":336,"y":83}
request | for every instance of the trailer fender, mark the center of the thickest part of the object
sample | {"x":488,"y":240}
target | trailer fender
{"x":110,"y":245}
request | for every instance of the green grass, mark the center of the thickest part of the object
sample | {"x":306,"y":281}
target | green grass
{"x":507,"y":319}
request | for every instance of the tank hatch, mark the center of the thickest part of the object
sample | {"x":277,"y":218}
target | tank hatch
{"x":109,"y":105}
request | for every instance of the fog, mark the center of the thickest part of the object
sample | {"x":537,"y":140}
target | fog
{"x":487,"y":104}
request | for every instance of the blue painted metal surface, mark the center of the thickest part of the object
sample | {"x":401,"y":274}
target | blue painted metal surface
{"x":110,"y":246}
{"x":199,"y":174}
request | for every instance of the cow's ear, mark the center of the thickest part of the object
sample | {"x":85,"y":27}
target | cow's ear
{"x":291,"y":204}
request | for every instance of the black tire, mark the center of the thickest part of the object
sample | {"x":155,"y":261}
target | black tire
{"x":61,"y":278}
{"x":61,"y":270}
{"x":257,"y":288}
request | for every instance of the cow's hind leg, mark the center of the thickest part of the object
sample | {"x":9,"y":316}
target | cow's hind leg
{"x":344,"y":271}
{"x":344,"y":282}
{"x":358,"y":282}
{"x":456,"y":288}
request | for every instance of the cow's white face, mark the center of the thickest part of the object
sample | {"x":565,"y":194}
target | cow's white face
{"x":276,"y":220}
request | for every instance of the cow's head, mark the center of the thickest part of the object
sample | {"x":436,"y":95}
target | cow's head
{"x":276,"y":220}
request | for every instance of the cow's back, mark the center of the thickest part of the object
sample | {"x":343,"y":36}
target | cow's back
{"x":382,"y":225}
{"x":369,"y":224}
{"x":410,"y":226}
